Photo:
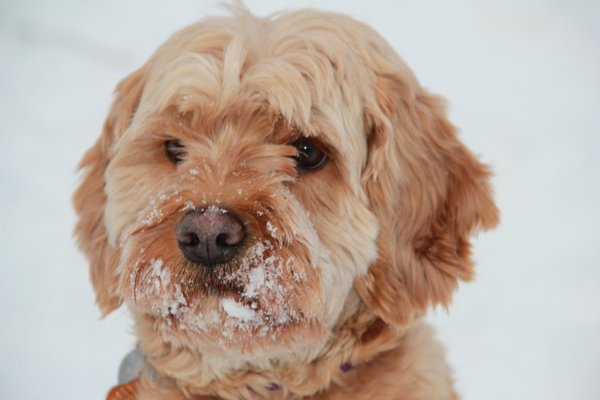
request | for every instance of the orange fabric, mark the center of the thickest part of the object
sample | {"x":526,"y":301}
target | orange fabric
{"x":126,"y":391}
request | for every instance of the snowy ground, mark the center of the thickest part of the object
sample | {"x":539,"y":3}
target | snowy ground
{"x":523,"y":79}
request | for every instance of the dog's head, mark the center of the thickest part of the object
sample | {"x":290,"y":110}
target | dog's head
{"x":256,"y":176}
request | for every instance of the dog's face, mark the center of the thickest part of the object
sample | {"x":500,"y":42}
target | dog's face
{"x":256,"y":177}
{"x":234,"y":225}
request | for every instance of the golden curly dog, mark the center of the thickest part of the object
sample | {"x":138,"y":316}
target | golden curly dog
{"x":277,"y":201}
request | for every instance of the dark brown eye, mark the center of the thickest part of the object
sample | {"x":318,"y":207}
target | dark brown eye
{"x":174,"y":151}
{"x":310,"y":157}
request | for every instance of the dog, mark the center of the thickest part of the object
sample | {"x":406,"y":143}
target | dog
{"x":277,"y":201}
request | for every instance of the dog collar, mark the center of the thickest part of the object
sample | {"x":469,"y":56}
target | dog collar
{"x":135,"y":362}
{"x":132,"y":365}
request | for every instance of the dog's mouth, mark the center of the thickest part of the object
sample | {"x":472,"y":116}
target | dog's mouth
{"x":268,"y":294}
{"x":258,"y":289}
{"x":257,"y":270}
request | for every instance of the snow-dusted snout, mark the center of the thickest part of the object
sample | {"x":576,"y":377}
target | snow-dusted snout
{"x":237,"y":270}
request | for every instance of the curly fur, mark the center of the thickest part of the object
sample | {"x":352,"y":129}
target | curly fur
{"x":350,"y":256}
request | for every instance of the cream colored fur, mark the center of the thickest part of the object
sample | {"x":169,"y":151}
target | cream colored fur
{"x":351,"y":255}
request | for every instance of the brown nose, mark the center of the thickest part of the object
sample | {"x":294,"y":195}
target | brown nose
{"x":210,"y":236}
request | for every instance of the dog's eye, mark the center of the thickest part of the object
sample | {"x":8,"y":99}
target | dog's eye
{"x":174,"y":151}
{"x":310,"y":157}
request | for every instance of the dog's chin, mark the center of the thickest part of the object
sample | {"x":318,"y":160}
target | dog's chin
{"x":228,"y":325}
{"x":242,"y":340}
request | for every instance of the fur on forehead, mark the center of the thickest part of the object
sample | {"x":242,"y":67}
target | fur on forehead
{"x":294,"y":65}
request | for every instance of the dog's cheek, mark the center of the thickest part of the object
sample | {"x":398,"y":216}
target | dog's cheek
{"x":351,"y":255}
{"x":138,"y":198}
{"x":347,"y":232}
{"x":122,"y":204}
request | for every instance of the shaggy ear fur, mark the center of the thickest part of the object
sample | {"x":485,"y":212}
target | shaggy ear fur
{"x":89,"y":199}
{"x":429,"y":193}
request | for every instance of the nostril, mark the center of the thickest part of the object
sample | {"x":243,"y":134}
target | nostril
{"x":222,"y":240}
{"x":236,"y":234}
{"x":189,"y":239}
{"x":232,"y":238}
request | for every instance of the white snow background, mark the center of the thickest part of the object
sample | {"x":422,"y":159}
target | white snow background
{"x":523,"y":82}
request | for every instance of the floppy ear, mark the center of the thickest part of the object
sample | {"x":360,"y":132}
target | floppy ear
{"x":429,"y":193}
{"x":89,"y":199}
